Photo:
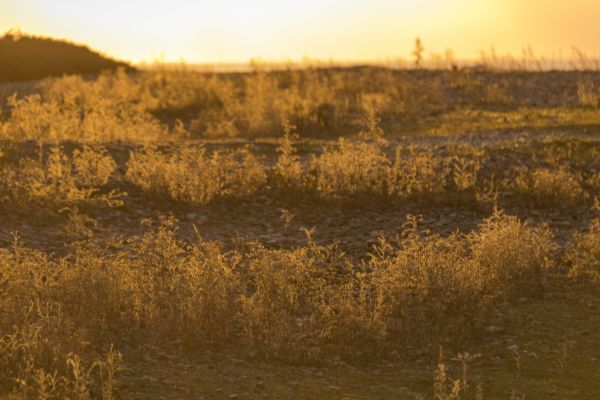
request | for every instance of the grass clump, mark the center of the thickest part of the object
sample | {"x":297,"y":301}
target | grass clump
{"x":583,"y":256}
{"x":350,"y":169}
{"x":306,"y":304}
{"x":344,"y":171}
{"x":288,"y":171}
{"x":588,"y":93}
{"x":106,"y":109}
{"x":195,"y":176}
{"x":347,"y":170}
{"x":512,"y":254}
{"x":58,"y":180}
{"x":44,"y":353}
{"x":446,"y":286}
{"x":544,"y":187}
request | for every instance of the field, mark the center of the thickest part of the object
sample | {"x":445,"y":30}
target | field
{"x":310,"y":233}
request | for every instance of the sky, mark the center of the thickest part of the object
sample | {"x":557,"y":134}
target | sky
{"x":224,"y":31}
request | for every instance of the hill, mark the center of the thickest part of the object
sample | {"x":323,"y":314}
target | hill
{"x":25,"y":57}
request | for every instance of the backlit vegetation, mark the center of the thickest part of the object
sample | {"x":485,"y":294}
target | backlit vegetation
{"x":57,"y":180}
{"x":430,"y":157}
{"x":194,"y":176}
{"x":300,"y":304}
{"x":167,"y":103}
{"x":584,"y":255}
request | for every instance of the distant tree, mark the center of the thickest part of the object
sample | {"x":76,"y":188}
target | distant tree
{"x":418,"y":52}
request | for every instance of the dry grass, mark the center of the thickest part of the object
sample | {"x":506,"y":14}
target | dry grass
{"x":62,"y":313}
{"x":583,"y":256}
{"x":107,"y":109}
{"x":544,"y":187}
{"x":59,"y":180}
{"x":39,"y":342}
{"x":304,"y":304}
{"x":344,"y":170}
{"x":360,"y":171}
{"x":588,"y":92}
{"x":194,"y":176}
{"x":169,"y":103}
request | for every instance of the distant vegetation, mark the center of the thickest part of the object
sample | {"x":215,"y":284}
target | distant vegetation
{"x":25,"y":57}
{"x":318,"y":102}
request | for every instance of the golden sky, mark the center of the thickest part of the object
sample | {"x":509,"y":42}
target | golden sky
{"x":238,"y":30}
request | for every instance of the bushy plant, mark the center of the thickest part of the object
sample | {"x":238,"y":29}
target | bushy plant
{"x":512,"y":255}
{"x":288,"y":171}
{"x":107,"y":109}
{"x":59,"y":180}
{"x":583,"y":255}
{"x":588,"y":92}
{"x":416,"y":173}
{"x":195,"y":176}
{"x":93,"y":166}
{"x":347,"y":169}
{"x":367,"y":169}
{"x":442,"y":285}
{"x":544,"y":187}
{"x":40,"y":343}
{"x":303,"y":304}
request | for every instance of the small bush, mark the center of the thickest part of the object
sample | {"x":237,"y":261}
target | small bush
{"x":588,"y":93}
{"x":39,"y":340}
{"x":93,"y":167}
{"x":583,"y":256}
{"x":107,"y":109}
{"x":367,"y":169}
{"x":194,"y":176}
{"x":417,"y":173}
{"x":544,"y":187}
{"x":512,"y":254}
{"x":425,"y":286}
{"x":445,"y":285}
{"x":61,"y":181}
{"x":348,"y":169}
{"x":288,"y":171}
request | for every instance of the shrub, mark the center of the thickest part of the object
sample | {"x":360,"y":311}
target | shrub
{"x":512,"y":254}
{"x":286,"y":313}
{"x":194,"y":176}
{"x":196,"y":288}
{"x":366,"y":169}
{"x":588,"y":93}
{"x":417,"y":173}
{"x":303,"y":304}
{"x":60,"y":180}
{"x":347,"y":169}
{"x":583,"y":256}
{"x":39,"y":340}
{"x":424,"y":286}
{"x":288,"y":171}
{"x":444,"y":285}
{"x":107,"y":109}
{"x":93,"y":167}
{"x":544,"y":187}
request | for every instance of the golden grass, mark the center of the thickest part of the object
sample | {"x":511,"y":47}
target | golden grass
{"x":303,"y":304}
{"x":170,"y":103}
{"x":57,"y":180}
{"x":63,"y":313}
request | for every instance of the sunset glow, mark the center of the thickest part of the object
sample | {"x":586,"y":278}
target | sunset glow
{"x":237,"y":30}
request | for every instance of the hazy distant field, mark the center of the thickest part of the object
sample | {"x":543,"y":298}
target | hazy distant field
{"x":336,"y":233}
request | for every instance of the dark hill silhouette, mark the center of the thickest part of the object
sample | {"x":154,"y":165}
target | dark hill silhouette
{"x":25,"y":57}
